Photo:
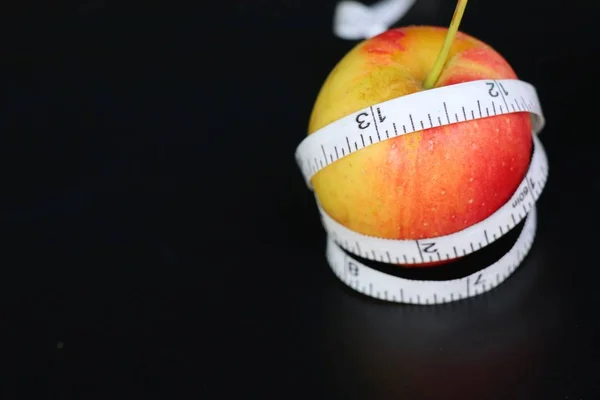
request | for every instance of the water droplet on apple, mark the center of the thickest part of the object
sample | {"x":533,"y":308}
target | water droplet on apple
{"x":470,"y":201}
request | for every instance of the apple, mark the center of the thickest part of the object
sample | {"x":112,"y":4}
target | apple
{"x":429,"y":183}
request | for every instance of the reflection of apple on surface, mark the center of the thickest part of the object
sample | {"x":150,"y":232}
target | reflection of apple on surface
{"x":432,"y":182}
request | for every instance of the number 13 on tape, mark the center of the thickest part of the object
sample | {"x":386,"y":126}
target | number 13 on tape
{"x":404,"y":115}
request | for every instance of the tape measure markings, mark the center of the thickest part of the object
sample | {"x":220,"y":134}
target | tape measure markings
{"x":374,"y":124}
{"x":407,"y":114}
{"x":377,"y":284}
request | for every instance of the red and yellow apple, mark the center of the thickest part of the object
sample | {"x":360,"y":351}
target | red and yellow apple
{"x":429,"y":183}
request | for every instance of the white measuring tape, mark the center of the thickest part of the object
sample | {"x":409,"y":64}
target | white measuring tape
{"x":403,"y":115}
{"x":356,"y":21}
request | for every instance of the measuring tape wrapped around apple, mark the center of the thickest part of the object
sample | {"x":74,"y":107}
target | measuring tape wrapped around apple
{"x":387,"y":219}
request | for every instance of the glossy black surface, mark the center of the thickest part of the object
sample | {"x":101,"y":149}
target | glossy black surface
{"x":159,"y":239}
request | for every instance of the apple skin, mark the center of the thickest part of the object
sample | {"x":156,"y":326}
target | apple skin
{"x":429,"y":183}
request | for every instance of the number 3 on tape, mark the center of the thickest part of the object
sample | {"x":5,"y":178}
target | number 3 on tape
{"x":404,"y":115}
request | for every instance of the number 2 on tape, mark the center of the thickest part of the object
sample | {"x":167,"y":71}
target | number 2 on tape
{"x":404,"y":115}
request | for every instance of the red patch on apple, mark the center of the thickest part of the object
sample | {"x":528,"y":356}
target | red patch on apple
{"x":491,"y":59}
{"x":387,"y":42}
{"x":461,"y":77}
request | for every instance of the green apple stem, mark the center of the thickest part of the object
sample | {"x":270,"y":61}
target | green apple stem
{"x":438,"y":66}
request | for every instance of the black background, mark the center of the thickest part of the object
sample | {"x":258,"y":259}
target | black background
{"x":159,"y":239}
